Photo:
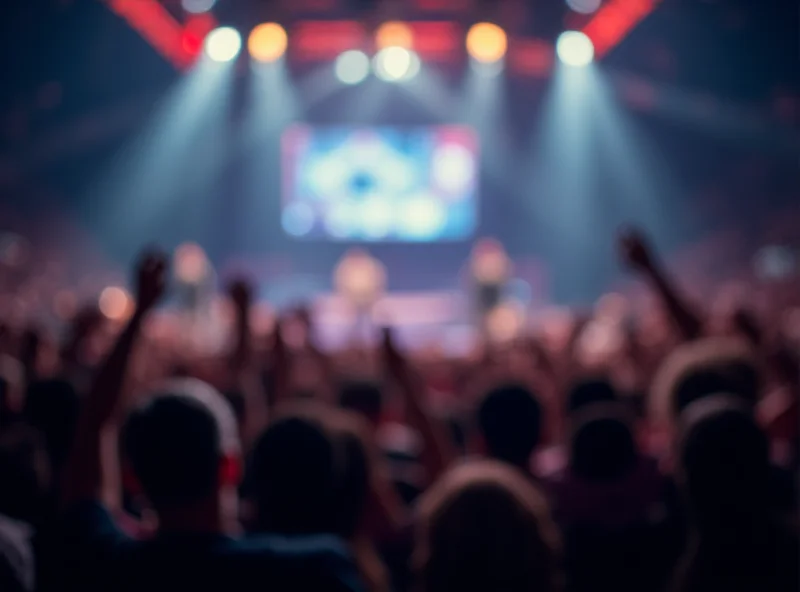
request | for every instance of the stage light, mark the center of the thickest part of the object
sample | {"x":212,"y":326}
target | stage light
{"x":223,"y":44}
{"x":487,"y":43}
{"x":584,"y":6}
{"x":394,"y":34}
{"x":352,"y":67}
{"x":267,"y":42}
{"x":575,"y":49}
{"x":198,"y":6}
{"x":395,"y":64}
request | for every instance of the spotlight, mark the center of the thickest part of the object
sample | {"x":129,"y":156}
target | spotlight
{"x":198,"y":6}
{"x":352,"y":67}
{"x":267,"y":42}
{"x":223,"y":44}
{"x":394,"y":34}
{"x":575,"y":49}
{"x":487,"y":43}
{"x":395,"y":64}
{"x":584,"y":6}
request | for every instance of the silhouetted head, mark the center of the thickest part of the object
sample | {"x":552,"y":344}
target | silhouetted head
{"x":704,"y":368}
{"x":294,"y":476}
{"x":52,"y":407}
{"x":362,"y":397}
{"x":588,"y":392}
{"x":509,"y":419}
{"x":724,"y":463}
{"x":179,"y":443}
{"x":602,"y":447}
{"x":24,"y":474}
{"x":483,"y":526}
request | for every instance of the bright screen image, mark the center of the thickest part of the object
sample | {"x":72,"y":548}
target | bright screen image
{"x":376,"y":184}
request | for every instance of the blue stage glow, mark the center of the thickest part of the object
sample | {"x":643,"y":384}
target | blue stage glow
{"x":380,"y":184}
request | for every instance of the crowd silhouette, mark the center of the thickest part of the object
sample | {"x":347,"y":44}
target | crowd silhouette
{"x":276,"y":466}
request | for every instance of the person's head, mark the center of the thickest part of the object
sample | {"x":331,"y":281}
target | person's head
{"x":183,"y":446}
{"x":24,"y":474}
{"x":483,"y":526}
{"x":294,"y":475}
{"x":52,"y":407}
{"x":724,"y":463}
{"x":588,"y":392}
{"x":362,"y":397}
{"x":602,"y":447}
{"x":704,"y":368}
{"x":509,"y":420}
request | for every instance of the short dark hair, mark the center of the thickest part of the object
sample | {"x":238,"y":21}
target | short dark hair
{"x":588,"y":392}
{"x":510,"y":418}
{"x":362,"y":397}
{"x":52,"y":407}
{"x":703,"y":368}
{"x":734,"y":377}
{"x":602,"y":447}
{"x":294,"y":477}
{"x":724,"y":460}
{"x":176,"y":441}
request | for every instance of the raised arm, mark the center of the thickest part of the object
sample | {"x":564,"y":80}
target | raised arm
{"x":244,"y":374}
{"x":92,"y":471}
{"x":437,"y":452}
{"x":83,"y":326}
{"x":638,"y":255}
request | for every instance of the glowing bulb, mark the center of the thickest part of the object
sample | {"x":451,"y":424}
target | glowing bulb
{"x":352,"y":67}
{"x":394,"y":64}
{"x":223,"y":44}
{"x":267,"y":42}
{"x":487,"y":43}
{"x":584,"y":6}
{"x":394,"y":34}
{"x":575,"y":49}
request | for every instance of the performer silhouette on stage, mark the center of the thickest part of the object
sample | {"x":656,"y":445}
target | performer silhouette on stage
{"x":490,"y":270}
{"x":361,"y":280}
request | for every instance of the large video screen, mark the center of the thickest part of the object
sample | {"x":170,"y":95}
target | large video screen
{"x":380,"y":184}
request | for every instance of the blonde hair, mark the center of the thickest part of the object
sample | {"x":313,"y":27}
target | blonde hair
{"x":483,"y":526}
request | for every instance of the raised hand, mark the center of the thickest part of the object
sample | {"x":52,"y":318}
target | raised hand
{"x":151,"y":279}
{"x":241,"y":293}
{"x":393,"y":359}
{"x":634,"y":249}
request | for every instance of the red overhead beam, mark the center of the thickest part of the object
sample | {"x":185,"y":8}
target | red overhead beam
{"x":181,"y":43}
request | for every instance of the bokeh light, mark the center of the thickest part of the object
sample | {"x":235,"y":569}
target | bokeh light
{"x":575,"y":49}
{"x":223,"y":44}
{"x":394,"y":34}
{"x":267,"y":42}
{"x":115,"y":303}
{"x":394,"y":64}
{"x":584,"y":6}
{"x":352,"y":67}
{"x":198,"y":6}
{"x":190,"y":263}
{"x":487,"y":43}
{"x":298,"y":219}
